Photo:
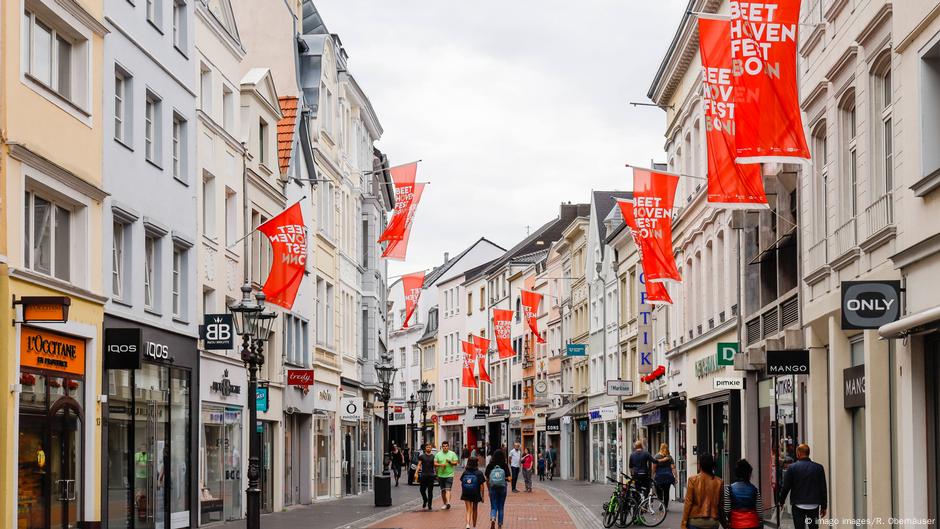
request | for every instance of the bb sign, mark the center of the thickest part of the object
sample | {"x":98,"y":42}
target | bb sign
{"x":870,"y":304}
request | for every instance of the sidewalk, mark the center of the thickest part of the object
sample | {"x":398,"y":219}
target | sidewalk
{"x":584,"y":501}
{"x":524,"y":510}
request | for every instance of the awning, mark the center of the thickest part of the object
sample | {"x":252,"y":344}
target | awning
{"x":923,"y":321}
{"x":672,"y":403}
{"x":566,"y":409}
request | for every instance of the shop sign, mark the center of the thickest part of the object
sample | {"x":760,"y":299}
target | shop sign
{"x":870,"y":304}
{"x":728,"y":383}
{"x":300,"y":377}
{"x":631,"y":406}
{"x":582,"y":425}
{"x":217,"y":332}
{"x":576,"y":349}
{"x":480,"y":412}
{"x":652,"y":418}
{"x":122,"y":348}
{"x":323,"y":398}
{"x":157,"y":351}
{"x":788,"y":362}
{"x":261,"y":399}
{"x":350,"y":409}
{"x":644,"y":329}
{"x":44,"y":308}
{"x":516,"y":407}
{"x":604,"y":413}
{"x":707,"y":366}
{"x":552,"y":425}
{"x":49,"y":350}
{"x":528,"y":427}
{"x":450,"y":417}
{"x":853,"y":386}
{"x":498,"y":409}
{"x":726,"y":352}
{"x":225,"y":386}
{"x":620,"y":388}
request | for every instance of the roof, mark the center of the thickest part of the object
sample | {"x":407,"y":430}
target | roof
{"x":285,"y":130}
{"x":543,"y":237}
{"x":603,"y":202}
{"x":681,"y":52}
{"x":530,"y":258}
{"x":476,"y":271}
{"x":439,"y":271}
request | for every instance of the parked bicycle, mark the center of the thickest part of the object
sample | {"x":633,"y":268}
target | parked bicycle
{"x":630,"y":505}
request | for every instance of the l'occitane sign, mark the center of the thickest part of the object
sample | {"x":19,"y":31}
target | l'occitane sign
{"x":48,"y":350}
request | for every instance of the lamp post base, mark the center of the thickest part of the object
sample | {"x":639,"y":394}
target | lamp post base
{"x":383,"y":490}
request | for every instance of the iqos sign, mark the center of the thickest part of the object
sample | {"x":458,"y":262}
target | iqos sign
{"x":870,"y":304}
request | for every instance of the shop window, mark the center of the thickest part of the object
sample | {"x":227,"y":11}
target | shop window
{"x":48,"y":236}
{"x":220,"y":480}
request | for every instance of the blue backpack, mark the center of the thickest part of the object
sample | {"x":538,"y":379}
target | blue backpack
{"x":498,"y":478}
{"x":470,"y":482}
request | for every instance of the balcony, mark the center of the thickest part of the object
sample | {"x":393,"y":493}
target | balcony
{"x":844,"y":240}
{"x":879,"y":223}
{"x":817,"y":265}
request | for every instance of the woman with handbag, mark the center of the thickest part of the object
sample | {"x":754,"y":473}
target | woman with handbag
{"x":664,"y":475}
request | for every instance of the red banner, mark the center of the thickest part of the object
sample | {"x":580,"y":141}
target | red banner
{"x":469,"y":357}
{"x":412,"y":285}
{"x":656,"y":293}
{"x":403,"y":177}
{"x":300,"y":377}
{"x":397,"y":249}
{"x":763,"y":54}
{"x":483,"y":347}
{"x":653,"y":195}
{"x":530,"y":309}
{"x":502,"y":329}
{"x":289,"y":244}
{"x":729,"y":184}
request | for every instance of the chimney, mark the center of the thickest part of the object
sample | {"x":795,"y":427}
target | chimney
{"x":446,"y":256}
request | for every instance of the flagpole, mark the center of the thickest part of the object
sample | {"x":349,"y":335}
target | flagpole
{"x":244,"y":237}
{"x":680,"y":175}
{"x":390,"y":167}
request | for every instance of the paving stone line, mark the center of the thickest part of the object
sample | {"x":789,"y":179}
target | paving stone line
{"x":582,"y":516}
{"x":380,"y":516}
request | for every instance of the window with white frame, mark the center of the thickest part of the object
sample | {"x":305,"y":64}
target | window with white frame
{"x":231,"y":216}
{"x":821,"y":171}
{"x":154,"y":12}
{"x":48,"y":236}
{"x":55,"y":56}
{"x":152,"y":128}
{"x":117,"y":259}
{"x":429,"y":358}
{"x":205,"y":89}
{"x":179,"y":147}
{"x":262,"y":141}
{"x":296,"y":341}
{"x":228,"y":108}
{"x":179,"y":25}
{"x":208,"y":205}
{"x":325,"y":199}
{"x":178,"y":287}
{"x":261,"y":250}
{"x":849,"y":127}
{"x":151,"y":267}
{"x":123,"y":107}
{"x":929,"y":110}
{"x":884,"y":142}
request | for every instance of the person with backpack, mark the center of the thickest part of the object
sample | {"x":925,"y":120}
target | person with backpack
{"x":472,"y":483}
{"x":741,"y":500}
{"x":425,"y":475}
{"x":528,"y":463}
{"x":497,"y":475}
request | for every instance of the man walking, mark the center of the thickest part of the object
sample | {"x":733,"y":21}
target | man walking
{"x":444,"y":462}
{"x":640,"y":466}
{"x":515,"y":461}
{"x":550,"y":458}
{"x":806,"y":479}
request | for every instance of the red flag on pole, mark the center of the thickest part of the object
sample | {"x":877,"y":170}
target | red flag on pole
{"x":482,"y":346}
{"x":469,"y":357}
{"x":397,"y":249}
{"x":729,"y":184}
{"x":763,"y":54}
{"x":288,"y":239}
{"x":412,"y":285}
{"x":653,"y":195}
{"x":530,"y":308}
{"x":656,"y":293}
{"x":502,"y":328}
{"x":403,"y":177}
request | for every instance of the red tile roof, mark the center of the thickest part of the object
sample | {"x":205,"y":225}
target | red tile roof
{"x":285,"y":131}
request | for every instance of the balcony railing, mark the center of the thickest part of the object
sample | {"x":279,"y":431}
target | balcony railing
{"x":879,"y":215}
{"x":816,"y":257}
{"x":845,"y":238}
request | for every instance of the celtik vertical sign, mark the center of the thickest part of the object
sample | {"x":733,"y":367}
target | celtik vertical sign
{"x":644,"y":343}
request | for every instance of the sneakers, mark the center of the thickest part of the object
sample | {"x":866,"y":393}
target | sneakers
{"x":493,"y":523}
{"x":447,"y":507}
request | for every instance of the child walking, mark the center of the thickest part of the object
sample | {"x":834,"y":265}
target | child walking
{"x":472,"y":483}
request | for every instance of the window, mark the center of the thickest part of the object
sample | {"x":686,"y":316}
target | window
{"x":821,"y":170}
{"x":117,"y":261}
{"x":48,"y":237}
{"x":150,"y":268}
{"x":228,"y":108}
{"x":296,"y":342}
{"x":930,"y":111}
{"x":328,"y":120}
{"x":208,"y":205}
{"x":324,"y":313}
{"x":884,"y":144}
{"x":179,"y":146}
{"x":179,"y":281}
{"x":325,"y":199}
{"x":154,"y":12}
{"x":415,"y":355}
{"x":231,"y":216}
{"x":205,"y":89}
{"x":152,"y":129}
{"x":469,"y":302}
{"x":50,"y":57}
{"x":850,"y":157}
{"x":120,"y":107}
{"x":261,"y":251}
{"x":179,"y":25}
{"x":403,"y":361}
{"x":262,"y":141}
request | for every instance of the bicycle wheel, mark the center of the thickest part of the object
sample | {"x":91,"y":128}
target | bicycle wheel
{"x":610,"y":512}
{"x":627,"y":513}
{"x":652,"y":512}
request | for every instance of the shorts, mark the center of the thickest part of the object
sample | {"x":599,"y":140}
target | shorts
{"x":446,"y":483}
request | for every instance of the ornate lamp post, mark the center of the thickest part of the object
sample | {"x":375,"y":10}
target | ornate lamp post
{"x":254,"y":326}
{"x":412,"y":404}
{"x":386,"y":372}
{"x":424,"y":394}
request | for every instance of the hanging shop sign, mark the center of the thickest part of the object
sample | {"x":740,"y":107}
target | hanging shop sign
{"x":726,"y":352}
{"x":652,"y":418}
{"x":728,"y":383}
{"x":631,"y":406}
{"x":450,"y":417}
{"x":644,"y":328}
{"x":604,"y":413}
{"x":870,"y":304}
{"x":225,"y":387}
{"x":300,"y":377}
{"x":350,"y":409}
{"x":480,"y":412}
{"x":261,"y":398}
{"x":46,"y":309}
{"x":853,"y":386}
{"x":620,"y":388}
{"x":552,"y":425}
{"x":788,"y":362}
{"x":217,"y":332}
{"x":122,"y":348}
{"x":53,"y":351}
{"x":576,"y":349}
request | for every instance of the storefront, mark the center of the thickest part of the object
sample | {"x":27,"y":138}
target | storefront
{"x":476,"y":427}
{"x":604,"y":435}
{"x":356,"y":449}
{"x":325,"y":401}
{"x":582,"y":448}
{"x":53,"y":432}
{"x":297,"y":421}
{"x":452,"y":431}
{"x":149,"y":477}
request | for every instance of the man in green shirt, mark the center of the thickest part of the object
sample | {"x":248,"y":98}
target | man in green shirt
{"x":444,"y":462}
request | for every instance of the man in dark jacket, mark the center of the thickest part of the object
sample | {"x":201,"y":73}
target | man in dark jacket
{"x":806,"y":479}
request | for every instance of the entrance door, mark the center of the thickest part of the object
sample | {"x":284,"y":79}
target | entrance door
{"x":712,"y":433}
{"x":347,"y":462}
{"x":65,"y":463}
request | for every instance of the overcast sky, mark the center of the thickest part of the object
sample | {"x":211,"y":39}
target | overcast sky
{"x":513,"y":106}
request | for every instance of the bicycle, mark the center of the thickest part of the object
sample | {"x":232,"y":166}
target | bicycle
{"x":629,"y":504}
{"x":650,"y":510}
{"x":614,"y":506}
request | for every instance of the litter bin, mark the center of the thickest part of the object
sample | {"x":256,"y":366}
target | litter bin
{"x":383,"y":490}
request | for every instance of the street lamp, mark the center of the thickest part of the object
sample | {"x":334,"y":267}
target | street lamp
{"x":424,"y":394}
{"x":386,"y":373}
{"x":254,"y":326}
{"x":412,"y":404}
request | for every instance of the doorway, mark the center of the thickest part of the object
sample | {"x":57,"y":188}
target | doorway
{"x":718,"y":431}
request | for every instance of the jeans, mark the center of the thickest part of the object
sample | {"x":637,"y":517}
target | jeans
{"x":527,"y":478}
{"x":515,"y":476}
{"x":805,"y":518}
{"x":427,"y":488}
{"x":662,"y":492}
{"x":497,"y":503}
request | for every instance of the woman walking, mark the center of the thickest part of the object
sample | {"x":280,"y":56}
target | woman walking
{"x":703,"y":497}
{"x":497,"y":476}
{"x":472,"y":483}
{"x":398,"y":461}
{"x":741,"y":500}
{"x":527,"y":466}
{"x":665,"y":474}
{"x":425,"y":475}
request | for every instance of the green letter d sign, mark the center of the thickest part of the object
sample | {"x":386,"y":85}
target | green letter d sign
{"x":726,"y":352}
